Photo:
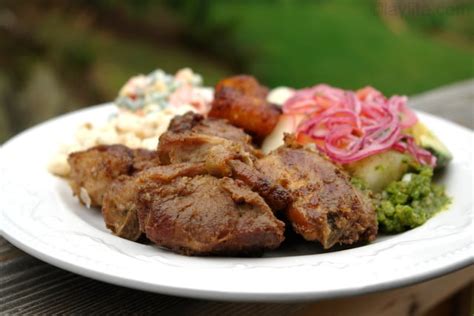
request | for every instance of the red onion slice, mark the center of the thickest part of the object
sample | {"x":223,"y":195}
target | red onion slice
{"x":348,"y":126}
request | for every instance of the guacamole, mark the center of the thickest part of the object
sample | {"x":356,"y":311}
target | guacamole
{"x":410,"y":202}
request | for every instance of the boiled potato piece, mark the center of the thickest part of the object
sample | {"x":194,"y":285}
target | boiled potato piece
{"x":380,"y":170}
{"x":286,"y":124}
{"x":279,"y":95}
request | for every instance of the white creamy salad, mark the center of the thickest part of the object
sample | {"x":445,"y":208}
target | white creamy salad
{"x":145,"y":106}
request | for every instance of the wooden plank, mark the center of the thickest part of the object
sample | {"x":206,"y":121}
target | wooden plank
{"x":453,"y":102}
{"x":413,"y":300}
{"x":30,"y":286}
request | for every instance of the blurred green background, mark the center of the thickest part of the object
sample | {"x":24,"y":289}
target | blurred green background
{"x":57,"y":56}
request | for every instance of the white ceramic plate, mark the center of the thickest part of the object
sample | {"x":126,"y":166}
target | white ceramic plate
{"x":40,"y":216}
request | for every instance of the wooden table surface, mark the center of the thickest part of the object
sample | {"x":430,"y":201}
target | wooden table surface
{"x":30,"y":286}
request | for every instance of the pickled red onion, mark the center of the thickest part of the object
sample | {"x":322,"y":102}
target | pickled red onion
{"x":348,"y":126}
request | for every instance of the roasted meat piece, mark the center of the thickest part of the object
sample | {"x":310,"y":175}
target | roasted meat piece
{"x":193,"y":122}
{"x":144,"y":159}
{"x":189,"y":138}
{"x":205,"y":215}
{"x":326,"y":207}
{"x":93,"y":170}
{"x":225,"y":151}
{"x":192,"y":147}
{"x":119,"y":210}
{"x":242,"y":101}
{"x":277,"y":197}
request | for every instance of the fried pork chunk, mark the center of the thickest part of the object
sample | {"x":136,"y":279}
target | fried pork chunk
{"x":242,"y":101}
{"x":213,"y":127}
{"x":94,"y":170}
{"x":119,"y":204}
{"x":326,"y":207}
{"x":190,"y":137}
{"x":205,"y":215}
{"x":224,"y":149}
{"x":277,"y":197}
{"x":192,"y":147}
{"x":118,"y":209}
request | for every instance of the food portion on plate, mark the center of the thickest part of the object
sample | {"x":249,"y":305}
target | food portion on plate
{"x":243,"y":102}
{"x":233,"y":173}
{"x":144,"y":108}
{"x":326,"y":206}
{"x":377,"y":140}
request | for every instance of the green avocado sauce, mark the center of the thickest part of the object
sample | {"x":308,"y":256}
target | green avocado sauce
{"x":410,"y":202}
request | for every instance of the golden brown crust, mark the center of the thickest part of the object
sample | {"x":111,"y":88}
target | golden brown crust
{"x":242,"y":101}
{"x":205,"y":191}
{"x":94,"y":170}
{"x":193,"y":122}
{"x":119,"y":203}
{"x":274,"y":194}
{"x":205,"y":215}
{"x":326,"y":207}
{"x":225,"y":150}
{"x":118,"y":209}
{"x":244,"y":84}
{"x":190,"y":137}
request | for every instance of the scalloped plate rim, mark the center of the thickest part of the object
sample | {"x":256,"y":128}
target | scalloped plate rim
{"x":225,"y":293}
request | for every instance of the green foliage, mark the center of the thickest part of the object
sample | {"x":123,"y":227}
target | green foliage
{"x":341,"y":43}
{"x":90,"y":48}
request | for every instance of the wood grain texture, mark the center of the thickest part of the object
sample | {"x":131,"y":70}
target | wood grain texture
{"x":29,"y":286}
{"x":32,"y":287}
{"x":453,"y":102}
{"x":413,"y":300}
